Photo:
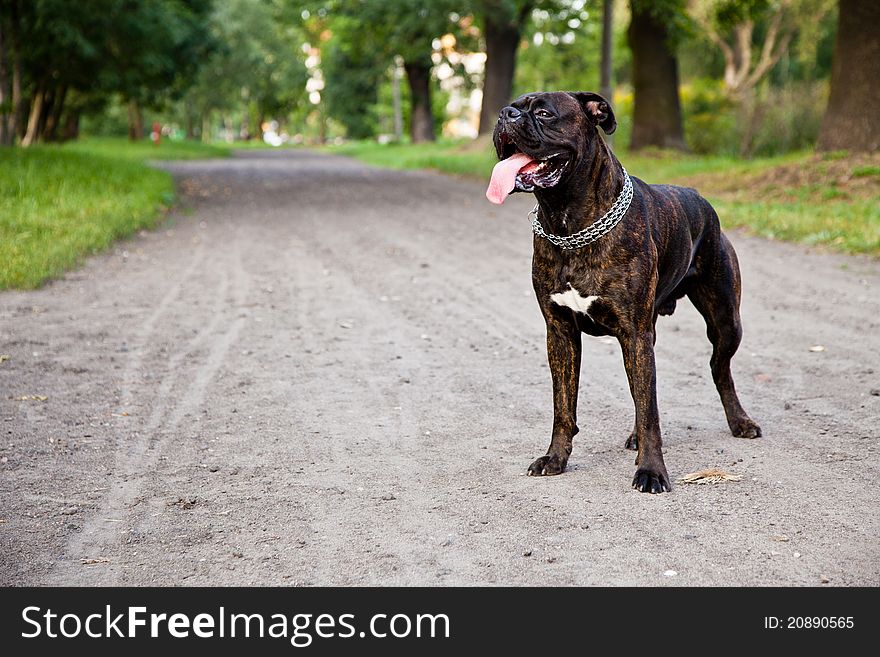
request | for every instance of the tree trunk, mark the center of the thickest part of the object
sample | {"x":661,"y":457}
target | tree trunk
{"x":71,"y":126}
{"x":49,"y":131}
{"x":605,"y":64}
{"x":852,"y":121}
{"x":5,"y":95}
{"x":421,"y":122}
{"x":14,"y":122}
{"x":135,"y":121}
{"x":502,"y":41}
{"x":395,"y":101}
{"x":48,"y":102}
{"x":35,"y":118}
{"x":657,"y":109}
{"x":206,"y":126}
{"x":190,"y":119}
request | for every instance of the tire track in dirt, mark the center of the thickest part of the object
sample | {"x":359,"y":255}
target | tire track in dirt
{"x":131,"y":495}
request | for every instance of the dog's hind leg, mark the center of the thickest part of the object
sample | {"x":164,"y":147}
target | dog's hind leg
{"x":716,"y":295}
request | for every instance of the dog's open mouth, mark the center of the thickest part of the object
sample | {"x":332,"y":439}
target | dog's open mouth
{"x":520,"y":172}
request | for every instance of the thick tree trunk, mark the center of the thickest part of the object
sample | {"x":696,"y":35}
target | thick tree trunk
{"x":605,"y":63}
{"x":135,"y":121}
{"x":421,"y":122}
{"x":502,"y":41}
{"x":657,"y":109}
{"x":48,"y":102}
{"x":49,"y":131}
{"x":14,"y":121}
{"x":852,"y":120}
{"x":7,"y":134}
{"x":71,"y":126}
{"x":5,"y":92}
{"x":35,"y":118}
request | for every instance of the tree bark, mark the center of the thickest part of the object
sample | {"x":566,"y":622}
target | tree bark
{"x":605,"y":63}
{"x":35,"y":118}
{"x":396,"y":102}
{"x":49,"y":131}
{"x":5,"y":95}
{"x":71,"y":126}
{"x":48,"y":102}
{"x":190,"y":121}
{"x":657,"y":109}
{"x":502,"y":40}
{"x":135,"y":121}
{"x":852,"y":121}
{"x":421,"y":121}
{"x":14,"y":121}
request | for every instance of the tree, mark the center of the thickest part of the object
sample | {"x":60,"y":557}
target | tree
{"x":155,"y":49}
{"x":255,"y":72}
{"x":10,"y":71}
{"x":852,"y":121}
{"x":653,"y":31}
{"x":354,"y":69}
{"x":404,"y":28}
{"x":502,"y":22}
{"x":559,"y":48}
{"x":66,"y":51}
{"x":605,"y":64}
{"x":65,"y":55}
{"x":753,"y":35}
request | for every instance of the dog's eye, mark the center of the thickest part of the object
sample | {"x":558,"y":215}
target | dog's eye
{"x":543,"y":114}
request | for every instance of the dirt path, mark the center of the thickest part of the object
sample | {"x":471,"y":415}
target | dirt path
{"x":325,"y":373}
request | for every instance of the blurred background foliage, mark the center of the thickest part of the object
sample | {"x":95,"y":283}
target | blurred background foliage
{"x":748,"y":77}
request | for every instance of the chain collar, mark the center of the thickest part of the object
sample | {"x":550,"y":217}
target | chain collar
{"x":595,"y":230}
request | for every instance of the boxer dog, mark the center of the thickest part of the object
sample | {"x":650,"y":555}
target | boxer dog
{"x":611,"y":253}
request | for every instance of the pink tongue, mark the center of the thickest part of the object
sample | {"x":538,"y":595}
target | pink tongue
{"x":504,"y":177}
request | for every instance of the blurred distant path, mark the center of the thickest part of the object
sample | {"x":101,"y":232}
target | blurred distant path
{"x":326,"y":373}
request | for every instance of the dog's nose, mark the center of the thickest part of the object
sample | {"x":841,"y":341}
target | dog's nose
{"x":510,"y":113}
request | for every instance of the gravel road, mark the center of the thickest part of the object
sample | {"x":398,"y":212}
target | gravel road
{"x":323,"y":373}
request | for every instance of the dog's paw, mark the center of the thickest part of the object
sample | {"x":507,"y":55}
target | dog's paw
{"x":651,"y":480}
{"x":745,"y":428}
{"x":632,"y":442}
{"x":547,"y":465}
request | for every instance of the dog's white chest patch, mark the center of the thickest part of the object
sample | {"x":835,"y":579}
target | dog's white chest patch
{"x":573,"y":299}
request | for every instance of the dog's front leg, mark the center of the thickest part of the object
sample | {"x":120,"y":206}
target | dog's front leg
{"x":564,"y":356}
{"x":638,"y":358}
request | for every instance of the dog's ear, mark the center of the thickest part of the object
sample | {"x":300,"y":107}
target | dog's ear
{"x":597,"y":109}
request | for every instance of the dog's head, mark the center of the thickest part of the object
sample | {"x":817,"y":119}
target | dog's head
{"x":555,"y":130}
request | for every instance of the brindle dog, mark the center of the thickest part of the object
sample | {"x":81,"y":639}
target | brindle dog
{"x":668,"y":245}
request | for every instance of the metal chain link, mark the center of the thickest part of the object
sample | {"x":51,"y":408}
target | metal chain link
{"x":595,"y":230}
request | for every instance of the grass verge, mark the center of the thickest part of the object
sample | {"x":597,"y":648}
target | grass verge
{"x":818,"y":200}
{"x":61,"y":203}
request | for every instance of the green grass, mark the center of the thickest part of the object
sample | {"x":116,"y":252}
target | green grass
{"x":453,"y":157}
{"x":144,"y":150}
{"x":61,"y":203}
{"x":743,"y":191}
